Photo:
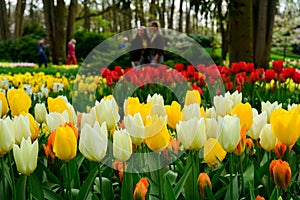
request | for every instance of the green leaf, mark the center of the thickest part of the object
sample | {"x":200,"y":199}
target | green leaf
{"x":251,"y":188}
{"x":36,"y":192}
{"x":172,"y":176}
{"x":107,"y":187}
{"x":51,"y":195}
{"x":21,"y":187}
{"x":209,"y":193}
{"x":275,"y":194}
{"x":235,"y":190}
{"x":168,"y":190}
{"x":179,"y":186}
{"x":249,"y":176}
{"x":86,"y":186}
{"x":127,"y":186}
{"x":50,"y":175}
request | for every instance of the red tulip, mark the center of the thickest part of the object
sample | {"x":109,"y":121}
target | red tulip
{"x":254,"y":76}
{"x":249,"y":67}
{"x":269,"y":75}
{"x":278,"y":65}
{"x":235,"y":68}
{"x":179,"y":67}
{"x":229,"y":86}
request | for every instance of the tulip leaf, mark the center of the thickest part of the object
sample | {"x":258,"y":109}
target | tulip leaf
{"x":21,"y":187}
{"x":127,"y":186}
{"x":216,"y":176}
{"x":235,"y":189}
{"x":275,"y":194}
{"x":168,"y":190}
{"x":51,"y":195}
{"x":86,"y":186}
{"x":249,"y":176}
{"x":209,"y":193}
{"x":36,"y":191}
{"x":172,"y":176}
{"x":107,"y":188}
{"x":50,"y":175}
{"x":251,"y":188}
{"x":179,"y":186}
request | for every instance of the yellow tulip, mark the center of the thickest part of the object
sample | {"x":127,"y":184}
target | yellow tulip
{"x":34,"y":129}
{"x":191,"y":97}
{"x":7,"y":138}
{"x":26,"y":156}
{"x":58,"y":104}
{"x":93,"y":141}
{"x":213,"y":150}
{"x":192,"y":133}
{"x":174,"y":114}
{"x":65,"y":143}
{"x":285,"y":125}
{"x":40,"y":112}
{"x":132,"y":106}
{"x":122,"y":145}
{"x":3,"y":104}
{"x":244,"y":113}
{"x":160,"y":140}
{"x":18,"y":101}
{"x":267,"y":140}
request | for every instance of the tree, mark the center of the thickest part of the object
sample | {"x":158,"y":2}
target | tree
{"x":3,"y":21}
{"x":19,"y":18}
{"x":71,"y":19}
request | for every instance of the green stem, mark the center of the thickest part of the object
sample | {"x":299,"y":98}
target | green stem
{"x":159,"y":178}
{"x":29,"y":188}
{"x":269,"y":177}
{"x":231,"y":175}
{"x":12,"y":177}
{"x":242,"y":174}
{"x":69,"y":192}
{"x":3,"y":176}
{"x":100,"y":182}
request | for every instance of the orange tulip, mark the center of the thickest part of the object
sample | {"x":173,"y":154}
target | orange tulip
{"x":48,"y":149}
{"x":118,"y":165}
{"x":250,"y":146}
{"x":241,"y":145}
{"x":141,"y":189}
{"x":259,"y":198}
{"x":203,"y":182}
{"x":280,"y":173}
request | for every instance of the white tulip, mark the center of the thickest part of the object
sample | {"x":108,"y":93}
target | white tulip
{"x":135,"y":126}
{"x":7,"y":137}
{"x":55,"y":119}
{"x":122,"y":145}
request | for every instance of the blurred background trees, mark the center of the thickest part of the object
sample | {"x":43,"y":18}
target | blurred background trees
{"x":236,"y":30}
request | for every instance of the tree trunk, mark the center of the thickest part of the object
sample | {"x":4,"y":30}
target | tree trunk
{"x":71,"y":19}
{"x":141,"y":13}
{"x":114,"y":15}
{"x":241,"y":31}
{"x":187,"y":17}
{"x":3,"y":21}
{"x":224,"y":32}
{"x":86,"y":22}
{"x":170,"y":24}
{"x":152,"y":10}
{"x":60,"y":34}
{"x":163,"y":21}
{"x":19,"y":16}
{"x":180,"y":16}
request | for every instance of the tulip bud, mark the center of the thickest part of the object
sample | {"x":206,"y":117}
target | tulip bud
{"x":7,"y":138}
{"x":21,"y":127}
{"x":203,"y":182}
{"x":93,"y":141}
{"x":191,"y":97}
{"x":40,"y":112}
{"x":118,"y":165}
{"x":267,"y":138}
{"x":18,"y":101}
{"x":58,"y":104}
{"x":244,"y":113}
{"x":34,"y":128}
{"x":213,"y":150}
{"x":191,"y":111}
{"x":192,"y":133}
{"x":222,"y":105}
{"x":141,"y":189}
{"x":65,"y":143}
{"x":122,"y":145}
{"x":280,"y":173}
{"x":26,"y":156}
{"x":3,"y":104}
{"x":250,"y":146}
{"x":259,"y":198}
{"x":174,"y":114}
{"x":241,"y":145}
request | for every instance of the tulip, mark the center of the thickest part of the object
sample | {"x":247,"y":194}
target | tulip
{"x":3,"y":104}
{"x":229,"y":134}
{"x":18,"y":101}
{"x":34,"y":128}
{"x":141,"y":189}
{"x":157,"y":102}
{"x":191,"y":111}
{"x":192,"y":133}
{"x":26,"y":156}
{"x":107,"y":111}
{"x":203,"y":182}
{"x":259,"y":198}
{"x":122,"y":145}
{"x":213,"y":150}
{"x":244,"y":113}
{"x":267,"y":138}
{"x":280,"y":173}
{"x":54,"y":120}
{"x":7,"y":138}
{"x":87,"y":118}
{"x":134,"y":125}
{"x":285,"y":125}
{"x":258,"y":123}
{"x":280,"y":149}
{"x":65,"y":143}
{"x":132,"y":106}
{"x":211,"y":113}
{"x":269,"y":107}
{"x":159,"y":135}
{"x":191,"y":97}
{"x":235,"y":98}
{"x":21,"y":127}
{"x":58,"y":104}
{"x":93,"y":141}
{"x":241,"y":145}
{"x":40,"y":112}
{"x":211,"y":127}
{"x":48,"y":149}
{"x":222,"y":105}
{"x":174,"y":114}
{"x":250,"y":146}
{"x":118,"y":166}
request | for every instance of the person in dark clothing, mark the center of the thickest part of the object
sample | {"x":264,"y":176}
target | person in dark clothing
{"x":157,"y":44}
{"x":139,"y":52}
{"x":42,"y":54}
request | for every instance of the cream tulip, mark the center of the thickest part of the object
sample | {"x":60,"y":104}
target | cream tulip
{"x":7,"y":138}
{"x":211,"y":127}
{"x":135,"y":126}
{"x":21,"y":127}
{"x":107,"y":111}
{"x":222,"y":105}
{"x":93,"y":141}
{"x":269,"y":107}
{"x":192,"y":133}
{"x":258,"y":123}
{"x":191,"y":111}
{"x":229,"y":132}
{"x":26,"y":156}
{"x":122,"y":145}
{"x":157,"y":102}
{"x":87,"y":118}
{"x":40,"y":112}
{"x":55,"y":119}
{"x":267,"y":140}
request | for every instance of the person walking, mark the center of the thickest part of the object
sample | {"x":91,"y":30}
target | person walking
{"x":157,"y":44}
{"x":71,"y":53}
{"x":42,"y":55}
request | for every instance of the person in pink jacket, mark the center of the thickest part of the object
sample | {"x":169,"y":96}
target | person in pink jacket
{"x":71,"y":52}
